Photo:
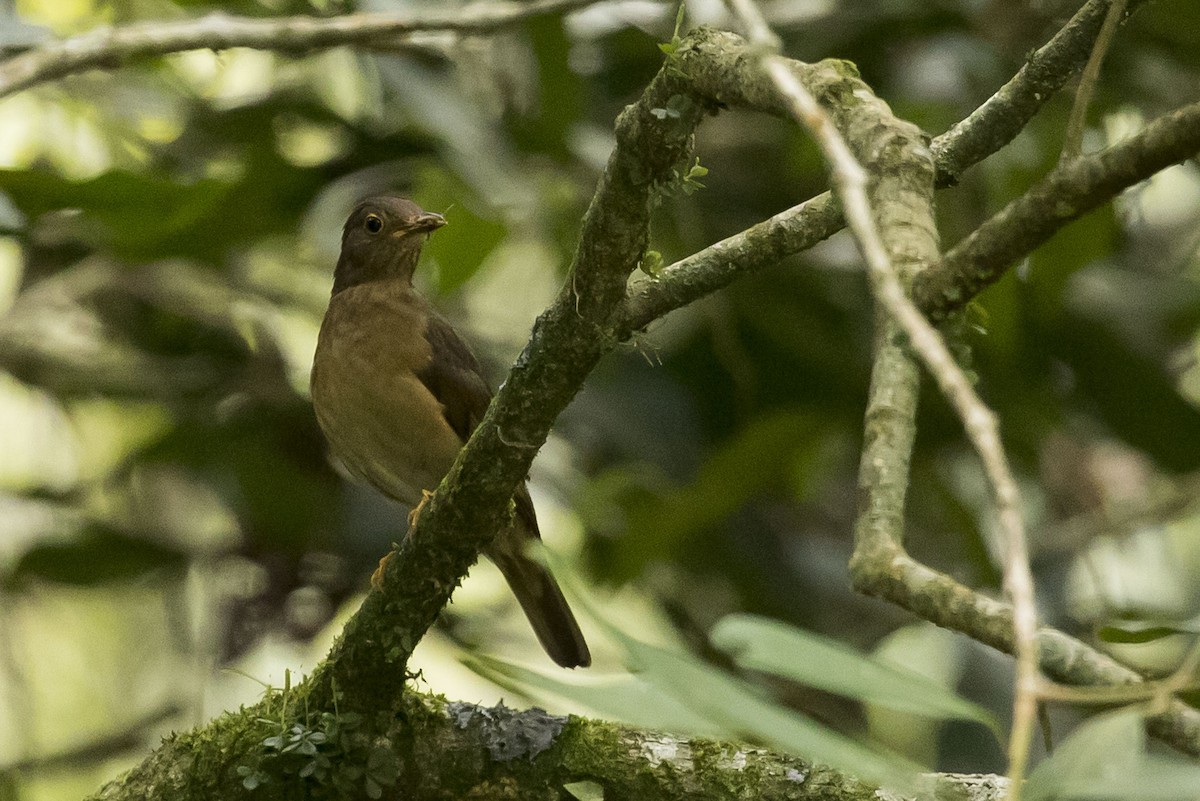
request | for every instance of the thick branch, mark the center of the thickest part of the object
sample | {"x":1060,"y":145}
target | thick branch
{"x":112,"y":47}
{"x":441,"y":750}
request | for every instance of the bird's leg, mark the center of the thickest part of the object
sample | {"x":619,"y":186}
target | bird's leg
{"x":413,"y":517}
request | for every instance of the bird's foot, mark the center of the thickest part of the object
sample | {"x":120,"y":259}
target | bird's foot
{"x":413,"y":517}
{"x":415,"y":514}
{"x":377,"y":576}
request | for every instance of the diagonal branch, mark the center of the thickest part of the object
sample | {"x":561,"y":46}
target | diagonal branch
{"x":567,"y":341}
{"x":107,"y":48}
{"x":1006,"y":113}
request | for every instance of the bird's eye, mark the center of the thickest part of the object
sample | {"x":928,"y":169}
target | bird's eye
{"x":374,"y":223}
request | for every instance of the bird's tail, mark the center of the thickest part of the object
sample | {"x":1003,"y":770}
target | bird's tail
{"x":541,"y":600}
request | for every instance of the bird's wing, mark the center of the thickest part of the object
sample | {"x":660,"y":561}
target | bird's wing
{"x":454,"y":377}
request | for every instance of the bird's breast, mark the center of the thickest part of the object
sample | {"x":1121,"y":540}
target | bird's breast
{"x":380,"y":419}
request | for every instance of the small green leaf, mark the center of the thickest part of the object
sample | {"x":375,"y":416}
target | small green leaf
{"x":672,"y":47}
{"x":1138,"y":632}
{"x":1105,"y":758}
{"x":652,"y":263}
{"x":678,"y":22}
{"x":585,"y":790}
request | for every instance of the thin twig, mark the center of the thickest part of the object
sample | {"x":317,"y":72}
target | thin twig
{"x":1073,"y":140}
{"x":1158,"y":693}
{"x":108,"y":47}
{"x":850,"y":180}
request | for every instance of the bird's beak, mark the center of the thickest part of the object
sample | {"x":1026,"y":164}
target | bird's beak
{"x":429,"y":221}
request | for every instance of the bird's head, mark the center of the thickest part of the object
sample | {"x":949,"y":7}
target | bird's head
{"x":382,"y":239}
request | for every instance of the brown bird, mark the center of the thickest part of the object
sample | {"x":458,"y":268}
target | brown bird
{"x":397,"y":393}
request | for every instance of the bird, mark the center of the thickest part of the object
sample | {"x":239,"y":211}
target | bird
{"x":397,"y":392}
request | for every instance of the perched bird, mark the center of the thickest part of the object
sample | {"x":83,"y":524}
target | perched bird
{"x":397,"y":393}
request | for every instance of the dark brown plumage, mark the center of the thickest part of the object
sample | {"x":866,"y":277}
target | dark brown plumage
{"x":397,"y":393}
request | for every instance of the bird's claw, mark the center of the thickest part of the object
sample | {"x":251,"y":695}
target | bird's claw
{"x":377,"y":576}
{"x":413,"y":517}
{"x":415,"y":514}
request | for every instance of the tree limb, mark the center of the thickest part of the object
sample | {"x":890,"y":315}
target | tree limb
{"x":463,"y":751}
{"x":108,"y":48}
{"x":567,"y":341}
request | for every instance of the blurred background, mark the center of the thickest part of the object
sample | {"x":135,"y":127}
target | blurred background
{"x":173,"y":537}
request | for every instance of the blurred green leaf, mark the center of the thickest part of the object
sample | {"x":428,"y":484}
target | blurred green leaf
{"x":624,"y":698}
{"x":98,"y":555}
{"x":585,"y":790}
{"x":759,"y":643}
{"x":740,"y":710}
{"x":1105,"y":758}
{"x":469,"y":236}
{"x":745,"y":713}
{"x":1105,"y":746}
{"x":138,"y":215}
{"x":762,"y":457}
{"x":1139,"y":632}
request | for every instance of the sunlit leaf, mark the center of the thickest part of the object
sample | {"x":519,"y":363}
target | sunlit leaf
{"x":745,"y":713}
{"x":738,"y":709}
{"x":98,"y":555}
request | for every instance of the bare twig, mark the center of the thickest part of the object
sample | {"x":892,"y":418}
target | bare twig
{"x":1073,"y":140}
{"x":109,"y":47}
{"x":850,"y":180}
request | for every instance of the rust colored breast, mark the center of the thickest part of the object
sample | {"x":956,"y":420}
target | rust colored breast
{"x":380,"y":419}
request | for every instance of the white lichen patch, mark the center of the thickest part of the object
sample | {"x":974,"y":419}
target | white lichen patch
{"x":658,"y":750}
{"x":737,"y":760}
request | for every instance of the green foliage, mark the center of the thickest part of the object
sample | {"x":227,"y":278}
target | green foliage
{"x":330,"y":753}
{"x":1140,"y":632}
{"x":97,"y":555}
{"x":1107,"y":758}
{"x":652,"y":263}
{"x":471,"y":234}
{"x":780,"y":452}
{"x":672,"y":47}
{"x":677,"y":691}
{"x":765,"y":645}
